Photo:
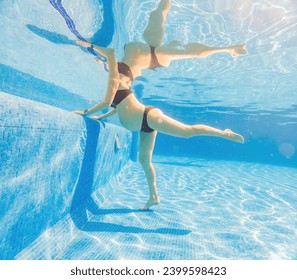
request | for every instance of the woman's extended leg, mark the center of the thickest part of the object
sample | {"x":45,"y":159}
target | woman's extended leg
{"x":154,"y":32}
{"x":162,"y":123}
{"x":174,"y":51}
{"x":146,"y":147}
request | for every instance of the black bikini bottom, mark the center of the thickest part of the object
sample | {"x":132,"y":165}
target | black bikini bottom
{"x":145,"y":127}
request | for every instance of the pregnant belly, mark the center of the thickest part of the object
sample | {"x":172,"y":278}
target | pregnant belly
{"x":130,"y":113}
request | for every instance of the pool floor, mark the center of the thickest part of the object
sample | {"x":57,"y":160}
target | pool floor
{"x":209,"y":210}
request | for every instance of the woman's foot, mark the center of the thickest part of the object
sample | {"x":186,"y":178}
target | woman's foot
{"x":151,"y":202}
{"x":238,"y":50}
{"x":165,"y":4}
{"x":230,"y":135}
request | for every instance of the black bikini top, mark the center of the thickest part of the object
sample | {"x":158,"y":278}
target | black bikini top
{"x":120,"y":95}
{"x":154,"y":60}
{"x":124,"y":69}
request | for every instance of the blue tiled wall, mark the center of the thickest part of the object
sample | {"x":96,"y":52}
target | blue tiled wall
{"x":51,"y":161}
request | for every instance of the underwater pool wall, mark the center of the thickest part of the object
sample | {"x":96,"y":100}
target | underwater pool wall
{"x":51,"y":161}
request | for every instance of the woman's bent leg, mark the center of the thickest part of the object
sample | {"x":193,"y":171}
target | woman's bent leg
{"x":162,"y":123}
{"x":154,"y":32}
{"x":146,"y":147}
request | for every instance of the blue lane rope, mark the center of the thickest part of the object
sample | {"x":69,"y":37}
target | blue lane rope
{"x":57,"y":4}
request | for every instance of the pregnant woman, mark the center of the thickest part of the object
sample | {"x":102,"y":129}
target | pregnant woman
{"x":148,"y":120}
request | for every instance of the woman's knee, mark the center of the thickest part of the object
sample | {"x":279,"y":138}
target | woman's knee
{"x":144,"y":160}
{"x":187,"y":131}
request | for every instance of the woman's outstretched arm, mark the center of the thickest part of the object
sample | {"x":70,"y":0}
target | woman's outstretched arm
{"x":106,"y":115}
{"x":113,"y":78}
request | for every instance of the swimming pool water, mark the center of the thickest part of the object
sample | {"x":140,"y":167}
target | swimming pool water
{"x":219,"y":200}
{"x":254,"y":95}
{"x":209,"y":210}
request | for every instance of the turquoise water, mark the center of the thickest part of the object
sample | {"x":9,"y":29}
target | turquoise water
{"x":209,"y":210}
{"x":219,"y":200}
{"x":254,"y":95}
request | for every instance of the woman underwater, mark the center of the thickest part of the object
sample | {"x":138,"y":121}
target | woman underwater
{"x":148,"y":120}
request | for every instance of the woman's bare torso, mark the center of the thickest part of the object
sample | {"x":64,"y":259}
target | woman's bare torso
{"x":130,"y":112}
{"x":138,"y":57}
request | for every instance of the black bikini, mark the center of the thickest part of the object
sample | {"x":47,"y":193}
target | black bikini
{"x":124,"y":69}
{"x":121,"y":94}
{"x":144,"y":126}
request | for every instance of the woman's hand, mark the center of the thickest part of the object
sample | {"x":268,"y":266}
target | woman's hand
{"x":83,"y":43}
{"x":98,"y":60}
{"x":96,"y":118}
{"x":79,"y":112}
